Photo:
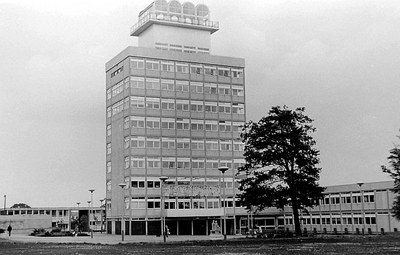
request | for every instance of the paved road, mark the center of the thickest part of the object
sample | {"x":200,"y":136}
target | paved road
{"x":99,"y":238}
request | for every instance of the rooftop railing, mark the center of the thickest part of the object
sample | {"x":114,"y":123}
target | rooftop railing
{"x":195,"y":21}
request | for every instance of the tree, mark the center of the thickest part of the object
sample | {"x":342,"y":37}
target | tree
{"x":394,"y":171}
{"x":281,"y":161}
{"x":20,"y":205}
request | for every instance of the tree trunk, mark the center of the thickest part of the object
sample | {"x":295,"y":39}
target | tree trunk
{"x":296,"y":219}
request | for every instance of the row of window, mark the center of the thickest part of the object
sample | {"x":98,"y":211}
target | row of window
{"x":138,"y":122}
{"x":174,"y":86}
{"x":183,"y":204}
{"x":181,"y":163}
{"x":180,"y":48}
{"x":348,"y":199}
{"x":53,"y":213}
{"x":172,"y":104}
{"x":178,"y":163}
{"x":156,"y":184}
{"x":348,"y":220}
{"x":180,"y":143}
{"x":181,"y":67}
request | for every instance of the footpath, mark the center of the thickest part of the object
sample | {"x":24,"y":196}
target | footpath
{"x":99,"y":238}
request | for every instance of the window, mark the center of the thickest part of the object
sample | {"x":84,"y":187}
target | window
{"x":138,"y":203}
{"x":223,"y":72}
{"x":226,"y":163}
{"x":137,"y":63}
{"x":225,"y":145}
{"x":108,"y":130}
{"x":183,"y":163}
{"x":197,"y":125}
{"x":196,"y":87}
{"x":117,"y":107}
{"x":211,"y":145}
{"x":167,"y":104}
{"x":126,"y":142}
{"x":167,"y":85}
{"x":153,"y":84}
{"x":117,"y":88}
{"x":167,"y":123}
{"x":196,"y":106}
{"x":119,"y":70}
{"x":238,"y":146}
{"x":108,"y":166}
{"x":138,"y":162}
{"x":210,"y":107}
{"x":108,"y":93}
{"x":137,"y":184}
{"x":153,"y":123}
{"x":198,"y":163}
{"x":108,"y":148}
{"x":237,"y":126}
{"x":182,"y":86}
{"x":183,"y":143}
{"x":197,"y":144}
{"x":137,"y":82}
{"x":152,"y":103}
{"x":109,"y":186}
{"x":182,"y":124}
{"x":167,"y":66}
{"x":238,"y":108}
{"x":152,"y":65}
{"x":182,"y":105}
{"x":224,"y":108}
{"x":237,"y":73}
{"x":137,"y":122}
{"x":153,"y":162}
{"x":237,"y":91}
{"x":168,"y":163}
{"x":225,"y":126}
{"x":196,"y":69}
{"x":138,"y":142}
{"x":127,"y":159}
{"x":137,"y":102}
{"x":210,"y":70}
{"x":182,"y":68}
{"x":168,"y":143}
{"x":108,"y":112}
{"x":211,"y":125}
{"x":153,"y":204}
{"x":153,"y":143}
{"x":224,"y":90}
{"x":210,"y":88}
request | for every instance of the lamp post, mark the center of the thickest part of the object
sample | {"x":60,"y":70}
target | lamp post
{"x":163,"y":179}
{"x":91,"y":209}
{"x":223,"y":169}
{"x":122,"y":185}
{"x":360,"y":184}
{"x":78,"y":203}
{"x":101,"y":216}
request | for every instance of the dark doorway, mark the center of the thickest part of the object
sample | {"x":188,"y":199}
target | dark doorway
{"x":154,"y":228}
{"x":138,"y":227}
{"x":185,"y":227}
{"x":117,"y":227}
{"x":199,"y":227}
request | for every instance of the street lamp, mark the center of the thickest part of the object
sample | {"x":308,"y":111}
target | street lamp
{"x":163,"y":179}
{"x":122,"y":185}
{"x":101,"y":216}
{"x":78,"y":203}
{"x":223,"y":169}
{"x":91,"y":209}
{"x":360,"y":184}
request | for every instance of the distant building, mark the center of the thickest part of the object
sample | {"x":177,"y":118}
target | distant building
{"x":27,"y":219}
{"x":174,"y":110}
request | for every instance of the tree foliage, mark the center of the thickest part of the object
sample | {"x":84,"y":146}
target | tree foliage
{"x":20,"y":205}
{"x":281,"y":161}
{"x":393,"y":169}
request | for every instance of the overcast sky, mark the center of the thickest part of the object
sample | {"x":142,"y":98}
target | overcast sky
{"x":339,"y":59}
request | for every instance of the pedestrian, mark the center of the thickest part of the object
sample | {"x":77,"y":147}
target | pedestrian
{"x":166,"y":230}
{"x":9,"y":230}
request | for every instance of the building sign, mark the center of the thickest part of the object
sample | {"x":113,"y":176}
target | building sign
{"x":191,"y":190}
